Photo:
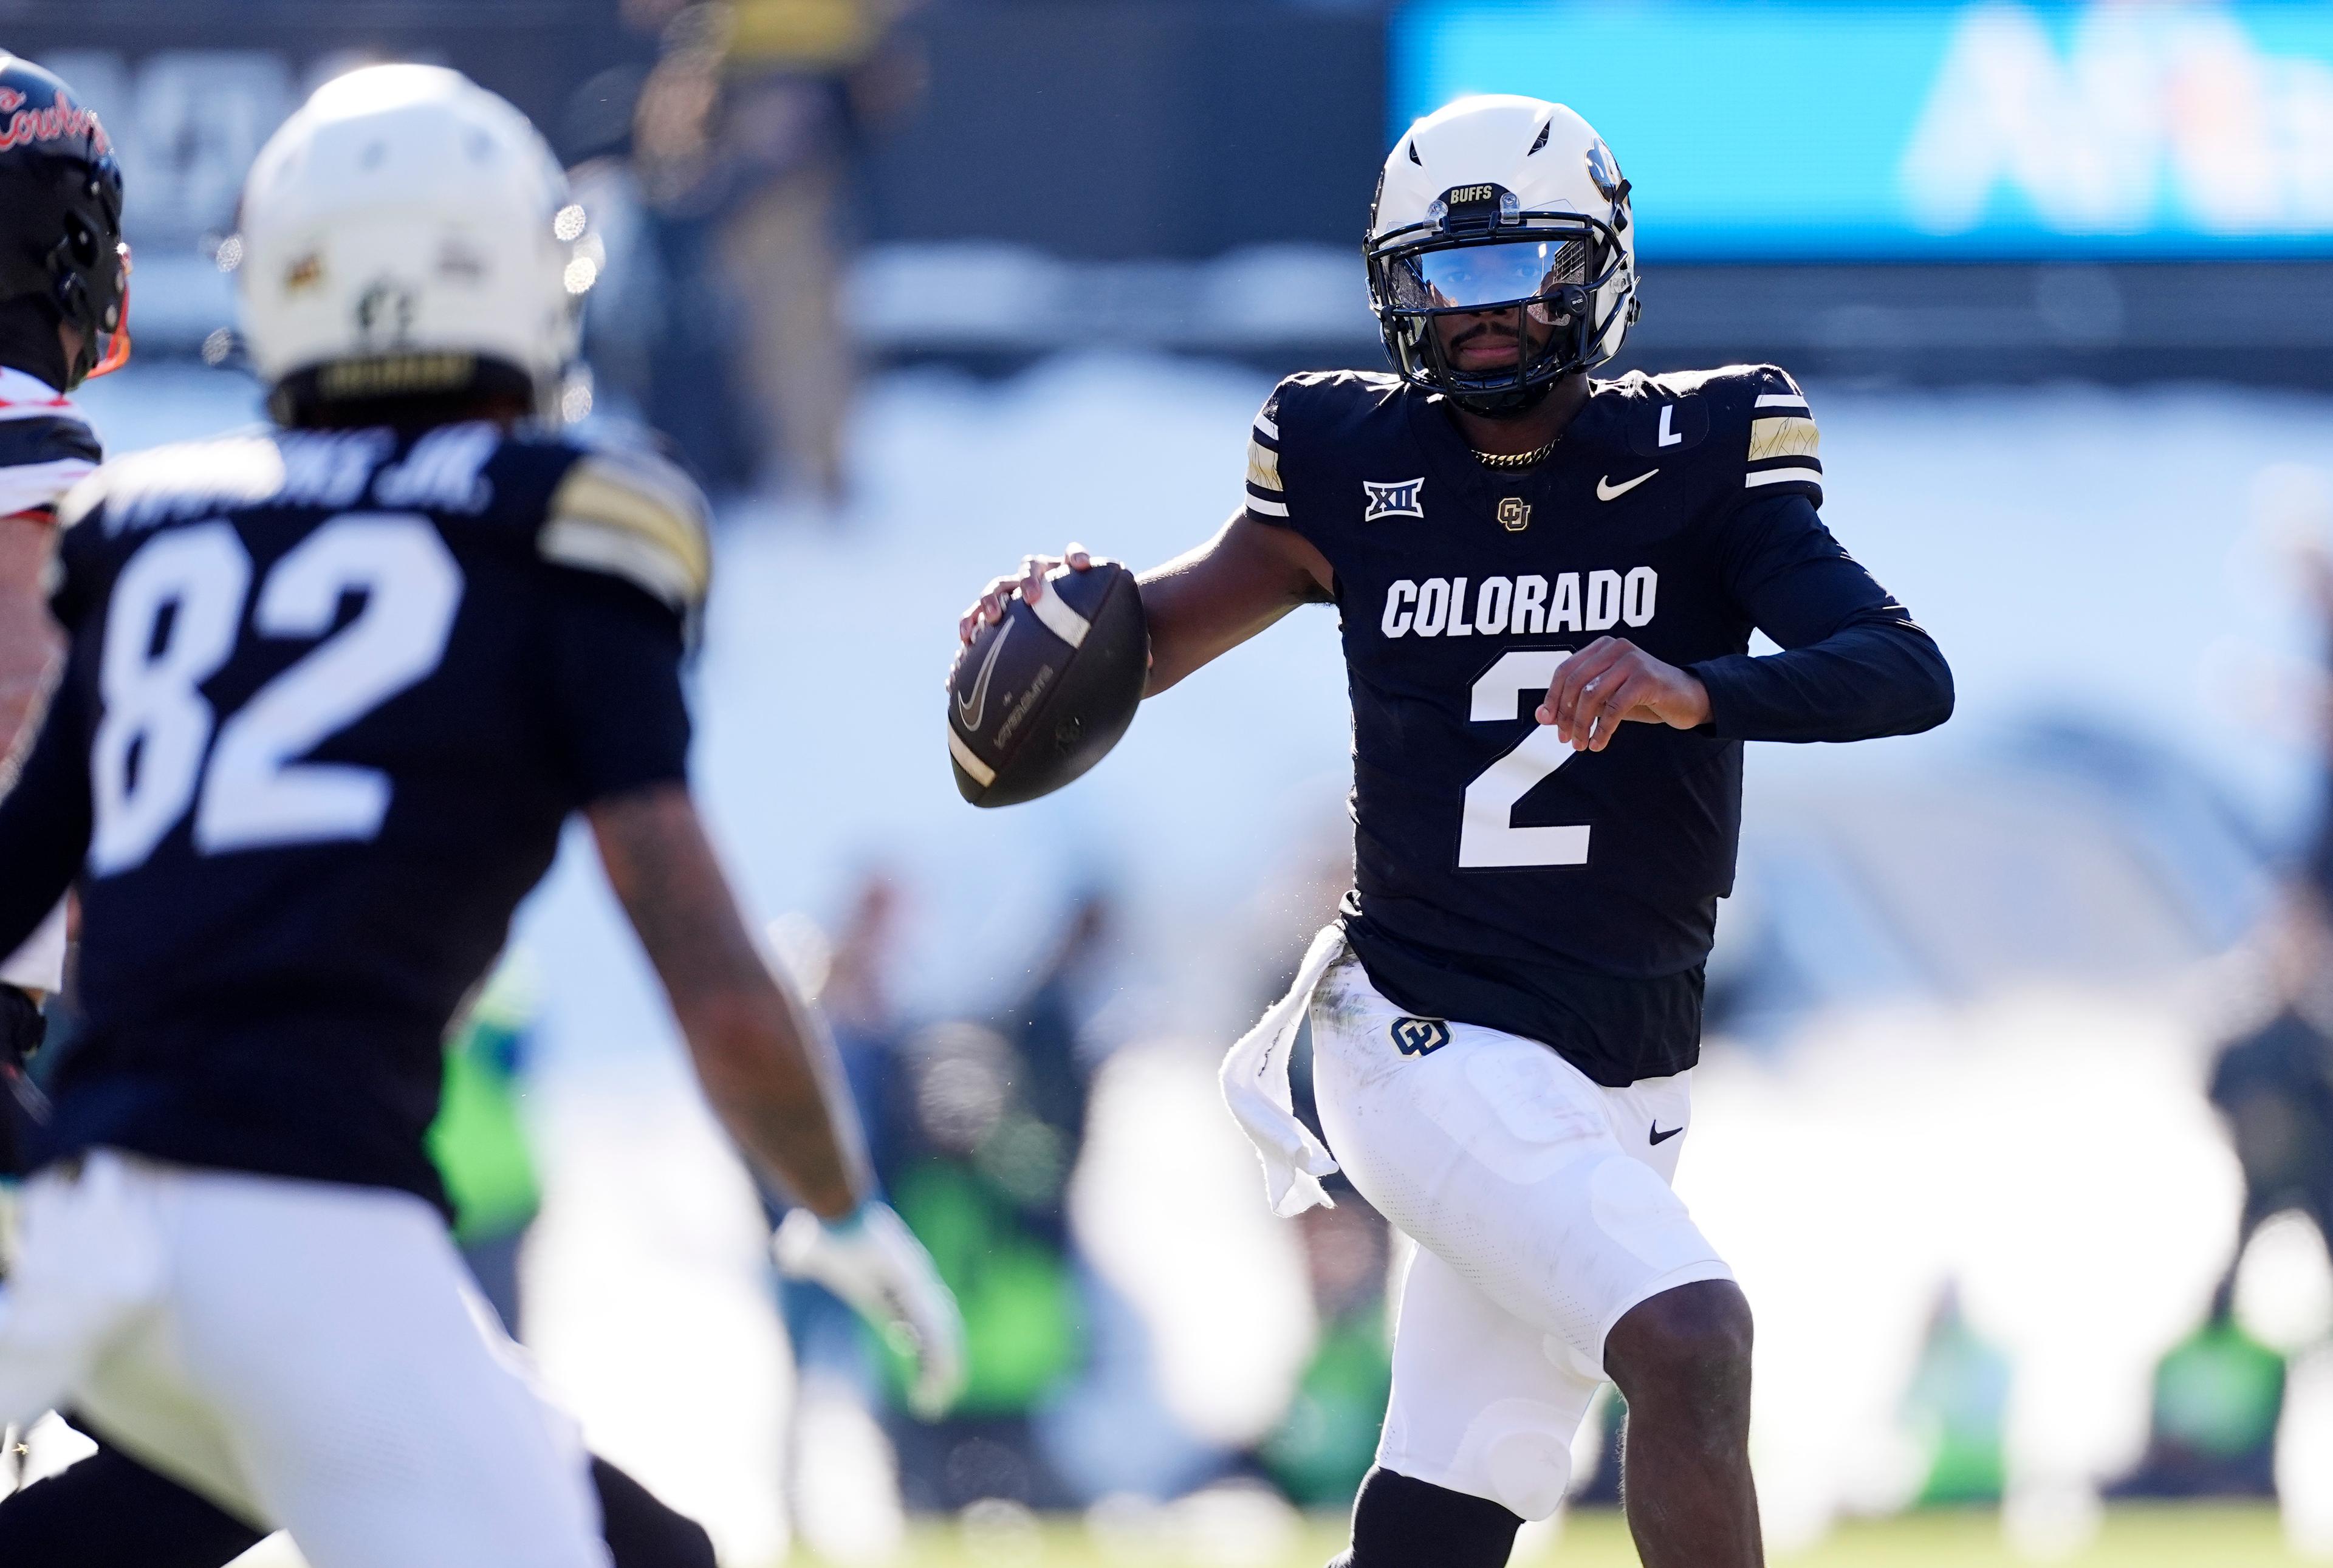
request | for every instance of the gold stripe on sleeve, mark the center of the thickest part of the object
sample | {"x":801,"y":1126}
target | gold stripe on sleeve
{"x":1262,"y":465}
{"x":1784,"y":438}
{"x":660,"y":519}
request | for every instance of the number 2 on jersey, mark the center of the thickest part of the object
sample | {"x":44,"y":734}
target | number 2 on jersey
{"x":147,"y":757}
{"x":1487,"y":836}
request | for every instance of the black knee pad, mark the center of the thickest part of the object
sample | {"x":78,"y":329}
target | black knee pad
{"x":641,"y":1532}
{"x":1402,"y":1523}
{"x":109,"y":1511}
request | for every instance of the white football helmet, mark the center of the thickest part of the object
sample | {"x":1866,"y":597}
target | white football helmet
{"x":1500,"y":203}
{"x":407,"y":233}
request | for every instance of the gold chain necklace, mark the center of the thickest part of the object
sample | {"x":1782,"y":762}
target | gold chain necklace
{"x":1512,"y":461}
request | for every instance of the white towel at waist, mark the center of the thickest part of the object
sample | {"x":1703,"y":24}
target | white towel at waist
{"x":1255,"y":1087}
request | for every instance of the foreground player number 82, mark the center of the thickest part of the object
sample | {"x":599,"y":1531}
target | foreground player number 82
{"x":1487,"y":837}
{"x":147,"y":757}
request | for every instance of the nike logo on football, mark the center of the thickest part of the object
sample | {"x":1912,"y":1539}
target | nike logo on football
{"x":1608,"y":491}
{"x":1660,"y":1136}
{"x":971,"y":710}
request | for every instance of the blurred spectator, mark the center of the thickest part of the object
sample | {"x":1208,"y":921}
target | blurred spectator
{"x":2275,"y":1084}
{"x":1957,"y":1408}
{"x":1326,"y":1442}
{"x":744,"y":136}
{"x":856,"y":996}
{"x":2217,"y":1395}
{"x":1049,"y":1021}
{"x":844,"y":1485}
{"x":981,"y":1178}
{"x":479,"y":1142}
{"x":984,"y":1130}
{"x":850,"y":979}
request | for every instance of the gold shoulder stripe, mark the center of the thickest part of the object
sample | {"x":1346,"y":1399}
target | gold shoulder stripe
{"x":1263,"y":465}
{"x":1784,"y":438}
{"x":643,"y":521}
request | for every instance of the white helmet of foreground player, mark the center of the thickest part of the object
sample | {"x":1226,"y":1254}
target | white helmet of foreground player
{"x":407,"y":233}
{"x":1501,"y":253}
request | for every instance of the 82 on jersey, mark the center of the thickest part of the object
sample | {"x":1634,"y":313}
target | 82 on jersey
{"x":175,"y":618}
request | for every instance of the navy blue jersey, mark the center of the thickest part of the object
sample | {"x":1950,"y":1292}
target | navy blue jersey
{"x":1499,"y":878}
{"x":330,"y":697}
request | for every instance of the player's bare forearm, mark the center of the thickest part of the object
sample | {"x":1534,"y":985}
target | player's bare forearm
{"x":1208,"y":600}
{"x":29,"y":640}
{"x":761,"y":1052}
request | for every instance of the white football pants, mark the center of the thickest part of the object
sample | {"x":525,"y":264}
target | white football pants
{"x":308,"y":1356}
{"x":1542,"y":1213}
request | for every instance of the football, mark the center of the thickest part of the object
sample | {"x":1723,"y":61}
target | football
{"x":1042,"y":695}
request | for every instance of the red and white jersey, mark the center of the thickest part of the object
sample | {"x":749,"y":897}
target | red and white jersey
{"x":46,"y":444}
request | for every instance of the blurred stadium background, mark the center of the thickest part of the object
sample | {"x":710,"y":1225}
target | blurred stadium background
{"x":2019,"y":1102}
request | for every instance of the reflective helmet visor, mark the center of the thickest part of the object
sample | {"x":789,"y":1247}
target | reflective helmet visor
{"x":1464,"y":276}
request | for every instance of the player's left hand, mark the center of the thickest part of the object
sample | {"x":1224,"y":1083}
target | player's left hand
{"x":874,"y":1262}
{"x":1612,"y":681}
{"x":1029,"y":585}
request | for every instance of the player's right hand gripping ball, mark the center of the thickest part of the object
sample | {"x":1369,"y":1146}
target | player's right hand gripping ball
{"x":1042,"y":695}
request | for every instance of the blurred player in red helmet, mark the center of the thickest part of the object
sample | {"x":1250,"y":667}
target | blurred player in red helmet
{"x":65,"y":282}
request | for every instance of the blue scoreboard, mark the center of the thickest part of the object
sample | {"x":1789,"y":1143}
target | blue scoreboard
{"x":1797,"y":129}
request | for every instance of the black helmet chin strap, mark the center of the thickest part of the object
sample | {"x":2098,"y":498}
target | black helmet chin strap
{"x":1512,"y":404}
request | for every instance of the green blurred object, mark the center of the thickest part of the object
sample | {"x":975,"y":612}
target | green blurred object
{"x":479,"y":1141}
{"x":1958,"y":1405}
{"x":1327,"y":1440}
{"x":1024,"y":1330}
{"x":2219,"y":1392}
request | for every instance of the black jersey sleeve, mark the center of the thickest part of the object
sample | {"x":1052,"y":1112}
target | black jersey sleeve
{"x":44,"y":818}
{"x":1854,"y":663}
{"x":625,"y":536}
{"x":616,"y":657}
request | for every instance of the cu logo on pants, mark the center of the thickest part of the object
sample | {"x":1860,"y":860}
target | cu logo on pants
{"x":1419,"y":1036}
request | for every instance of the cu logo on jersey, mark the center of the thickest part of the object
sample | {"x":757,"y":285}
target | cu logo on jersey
{"x":1420,"y":1036}
{"x":1394,"y":498}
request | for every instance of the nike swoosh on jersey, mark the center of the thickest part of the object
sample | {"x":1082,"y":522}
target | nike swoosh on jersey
{"x":1608,"y":491}
{"x":1660,"y":1136}
{"x":970,"y":711}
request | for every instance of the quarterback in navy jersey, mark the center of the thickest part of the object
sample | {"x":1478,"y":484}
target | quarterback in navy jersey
{"x":331,"y":691}
{"x":1547,"y":585}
